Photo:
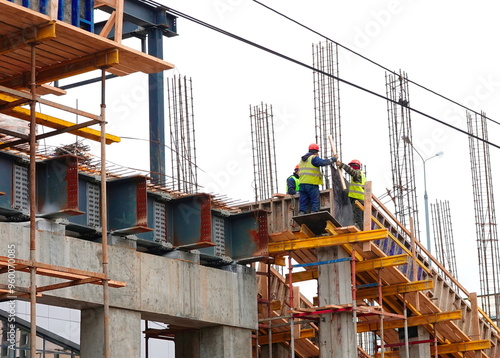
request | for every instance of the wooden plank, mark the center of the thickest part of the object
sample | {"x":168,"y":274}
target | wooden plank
{"x":286,"y":336}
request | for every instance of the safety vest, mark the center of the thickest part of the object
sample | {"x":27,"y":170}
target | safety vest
{"x":356,"y":189}
{"x":308,"y":173}
{"x":296,"y":182}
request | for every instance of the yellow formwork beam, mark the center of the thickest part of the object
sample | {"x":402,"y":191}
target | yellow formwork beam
{"x":391,"y":290}
{"x":447,"y":348}
{"x":18,"y":39}
{"x":382,"y":262}
{"x":325,"y":241}
{"x":411,"y":321}
{"x":464,"y":346}
{"x":285,"y":336}
{"x":56,"y":123}
{"x":362,"y":266}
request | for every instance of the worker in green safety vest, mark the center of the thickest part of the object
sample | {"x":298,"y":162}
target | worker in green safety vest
{"x":356,"y":188}
{"x":292,"y":182}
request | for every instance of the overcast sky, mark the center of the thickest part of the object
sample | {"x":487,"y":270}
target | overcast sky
{"x":449,"y":47}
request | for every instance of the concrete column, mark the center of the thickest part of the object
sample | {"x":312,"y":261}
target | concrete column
{"x":337,"y":331}
{"x":125,"y":333}
{"x":416,"y":350}
{"x":220,"y":342}
{"x":279,"y":351}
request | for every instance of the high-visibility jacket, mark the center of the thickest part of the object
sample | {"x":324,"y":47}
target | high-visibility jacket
{"x":296,"y":182}
{"x":310,"y":174}
{"x":356,"y":189}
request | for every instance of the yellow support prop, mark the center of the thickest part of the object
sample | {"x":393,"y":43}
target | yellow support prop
{"x":20,"y":39}
{"x":464,"y":346}
{"x":362,"y":266}
{"x":372,"y":292}
{"x":55,"y":123}
{"x":412,"y":321}
{"x":325,"y":241}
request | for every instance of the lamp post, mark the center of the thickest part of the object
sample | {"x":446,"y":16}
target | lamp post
{"x":426,"y":201}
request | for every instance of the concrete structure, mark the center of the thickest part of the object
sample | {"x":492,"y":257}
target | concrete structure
{"x":216,"y":307}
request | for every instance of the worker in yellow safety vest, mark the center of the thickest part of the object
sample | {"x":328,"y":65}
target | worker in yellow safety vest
{"x":310,"y":178}
{"x":356,"y":188}
{"x":292,"y":182}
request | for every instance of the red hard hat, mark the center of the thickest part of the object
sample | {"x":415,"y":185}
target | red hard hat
{"x":355,"y":162}
{"x":314,"y":146}
{"x":297,"y":166}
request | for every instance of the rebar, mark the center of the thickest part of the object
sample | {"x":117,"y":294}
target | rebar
{"x":263,"y":151}
{"x":182,"y":135}
{"x":403,"y":170}
{"x":327,"y":102}
{"x":443,"y":236}
{"x":484,"y":208}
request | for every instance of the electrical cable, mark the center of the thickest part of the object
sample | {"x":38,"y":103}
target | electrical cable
{"x":371,"y":61}
{"x":266,"y":49}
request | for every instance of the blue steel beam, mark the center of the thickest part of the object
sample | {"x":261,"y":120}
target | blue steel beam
{"x":156,"y":111}
{"x":189,"y":222}
{"x":127,"y":205}
{"x":57,"y":187}
{"x":145,"y":14}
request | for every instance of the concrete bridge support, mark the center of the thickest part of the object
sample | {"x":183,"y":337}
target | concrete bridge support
{"x":337,"y":332}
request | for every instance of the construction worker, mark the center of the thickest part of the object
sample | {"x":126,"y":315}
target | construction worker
{"x":292,"y":182}
{"x":310,"y":178}
{"x":356,"y":188}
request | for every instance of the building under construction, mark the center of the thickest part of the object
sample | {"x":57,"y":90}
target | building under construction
{"x":125,"y":247}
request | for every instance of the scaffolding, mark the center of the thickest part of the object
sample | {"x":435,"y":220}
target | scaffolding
{"x":182,"y":136}
{"x":443,"y":236}
{"x":39,"y":52}
{"x":484,"y":209}
{"x":327,"y":102}
{"x":263,"y":151}
{"x":403,"y":192}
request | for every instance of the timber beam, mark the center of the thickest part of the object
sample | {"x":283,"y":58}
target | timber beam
{"x":66,"y":69}
{"x":276,"y":248}
{"x":282,"y":337}
{"x":392,"y":290}
{"x":366,"y":265}
{"x":411,"y":321}
{"x":20,"y":39}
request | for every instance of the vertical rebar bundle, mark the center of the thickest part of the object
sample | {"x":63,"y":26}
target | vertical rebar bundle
{"x":182,"y":135}
{"x":443,"y":236}
{"x":327,"y":101}
{"x":484,"y":207}
{"x":403,"y":171}
{"x":263,"y":151}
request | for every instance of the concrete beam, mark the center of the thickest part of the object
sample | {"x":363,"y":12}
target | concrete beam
{"x":173,"y":291}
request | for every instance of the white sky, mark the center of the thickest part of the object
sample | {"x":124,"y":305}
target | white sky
{"x":449,"y":47}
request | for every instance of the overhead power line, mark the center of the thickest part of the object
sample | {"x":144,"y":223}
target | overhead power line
{"x":239,"y":38}
{"x":371,"y":61}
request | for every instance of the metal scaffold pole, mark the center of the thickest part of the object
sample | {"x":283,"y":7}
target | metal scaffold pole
{"x":104,"y":220}
{"x":33,"y":203}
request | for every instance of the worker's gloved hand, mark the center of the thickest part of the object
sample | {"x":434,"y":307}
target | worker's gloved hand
{"x":339,"y":164}
{"x":333,"y":160}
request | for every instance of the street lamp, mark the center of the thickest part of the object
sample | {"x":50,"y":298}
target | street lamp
{"x":426,"y":201}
